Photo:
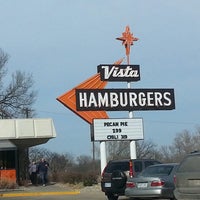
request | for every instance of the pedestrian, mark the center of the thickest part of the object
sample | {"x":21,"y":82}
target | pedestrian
{"x":33,"y":172}
{"x":43,"y":170}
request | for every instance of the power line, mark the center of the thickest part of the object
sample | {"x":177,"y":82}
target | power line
{"x":171,"y":122}
{"x":52,"y":112}
{"x":151,"y":121}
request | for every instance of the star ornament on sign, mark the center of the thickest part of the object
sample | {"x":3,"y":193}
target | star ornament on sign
{"x":127,"y":39}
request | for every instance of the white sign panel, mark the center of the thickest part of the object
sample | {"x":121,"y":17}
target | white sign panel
{"x":118,"y":129}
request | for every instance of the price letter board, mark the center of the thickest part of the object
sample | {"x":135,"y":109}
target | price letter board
{"x":117,"y":129}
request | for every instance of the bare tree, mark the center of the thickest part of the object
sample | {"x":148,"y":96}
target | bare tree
{"x":61,"y":162}
{"x":117,"y":149}
{"x":37,"y":153}
{"x":184,"y":143}
{"x":146,"y":149}
{"x":57,"y":162}
{"x":121,"y":149}
{"x":166,"y":154}
{"x":84,"y":162}
{"x":16,"y":98}
{"x":3,"y":61}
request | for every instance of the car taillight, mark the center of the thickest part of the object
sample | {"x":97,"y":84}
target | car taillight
{"x":131,"y":173}
{"x":175,"y":179}
{"x":157,"y":183}
{"x":130,"y":184}
{"x":102,"y":174}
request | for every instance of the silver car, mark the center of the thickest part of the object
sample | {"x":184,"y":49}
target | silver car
{"x":156,"y":181}
{"x":187,"y":181}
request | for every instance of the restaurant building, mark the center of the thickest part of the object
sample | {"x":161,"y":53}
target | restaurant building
{"x":16,"y":136}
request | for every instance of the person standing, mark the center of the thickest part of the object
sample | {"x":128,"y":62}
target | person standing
{"x":33,"y":173}
{"x":43,"y":170}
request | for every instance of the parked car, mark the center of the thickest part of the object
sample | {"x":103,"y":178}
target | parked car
{"x":156,"y":181}
{"x":114,"y":176}
{"x":187,"y":180}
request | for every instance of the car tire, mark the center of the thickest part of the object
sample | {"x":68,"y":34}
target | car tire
{"x":112,"y":197}
{"x":118,"y":179}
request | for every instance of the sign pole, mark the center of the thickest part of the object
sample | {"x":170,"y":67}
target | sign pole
{"x":103,"y":155}
{"x":127,"y":40}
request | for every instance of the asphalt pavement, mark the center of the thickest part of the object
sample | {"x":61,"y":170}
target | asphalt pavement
{"x":31,"y":190}
{"x":53,"y":191}
{"x":56,"y":191}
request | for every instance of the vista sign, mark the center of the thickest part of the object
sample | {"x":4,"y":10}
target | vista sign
{"x":124,"y":99}
{"x":126,"y":73}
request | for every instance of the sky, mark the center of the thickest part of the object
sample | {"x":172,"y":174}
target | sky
{"x":61,"y":43}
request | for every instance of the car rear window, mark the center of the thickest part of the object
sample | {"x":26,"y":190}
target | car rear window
{"x":124,"y":166}
{"x":137,"y":166}
{"x":190,"y":164}
{"x":157,"y":170}
{"x":150,"y":162}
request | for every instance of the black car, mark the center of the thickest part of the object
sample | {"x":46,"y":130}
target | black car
{"x":114,"y":176}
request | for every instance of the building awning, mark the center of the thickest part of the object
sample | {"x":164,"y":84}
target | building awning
{"x":23,"y":133}
{"x":25,"y":143}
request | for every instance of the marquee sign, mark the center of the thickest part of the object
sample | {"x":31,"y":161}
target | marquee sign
{"x":117,"y":129}
{"x":68,"y":99}
{"x":124,"y":99}
{"x":90,"y":100}
{"x":126,"y":73}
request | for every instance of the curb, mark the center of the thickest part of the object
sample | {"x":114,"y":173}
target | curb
{"x":26,"y":194}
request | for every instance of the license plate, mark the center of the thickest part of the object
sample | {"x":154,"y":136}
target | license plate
{"x":107,"y":184}
{"x":142,"y":185}
{"x":195,"y":182}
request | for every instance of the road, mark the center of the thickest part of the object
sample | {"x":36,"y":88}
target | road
{"x":58,"y":192}
{"x":83,"y":195}
{"x":52,"y":192}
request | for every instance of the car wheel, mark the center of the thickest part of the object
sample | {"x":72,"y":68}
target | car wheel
{"x":118,"y":179}
{"x":112,"y":197}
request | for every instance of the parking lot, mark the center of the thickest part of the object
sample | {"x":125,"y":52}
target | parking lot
{"x":55,"y":191}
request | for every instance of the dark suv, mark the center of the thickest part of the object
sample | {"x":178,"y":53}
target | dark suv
{"x":187,"y":180}
{"x":114,"y":176}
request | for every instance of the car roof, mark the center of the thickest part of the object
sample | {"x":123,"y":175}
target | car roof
{"x":128,"y":160}
{"x":194,"y":152}
{"x":164,"y":164}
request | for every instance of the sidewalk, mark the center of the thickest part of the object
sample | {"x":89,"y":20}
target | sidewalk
{"x":30,"y":190}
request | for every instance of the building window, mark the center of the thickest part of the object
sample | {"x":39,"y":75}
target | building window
{"x":7,"y":159}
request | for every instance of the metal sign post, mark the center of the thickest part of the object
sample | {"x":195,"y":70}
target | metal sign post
{"x":127,"y":40}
